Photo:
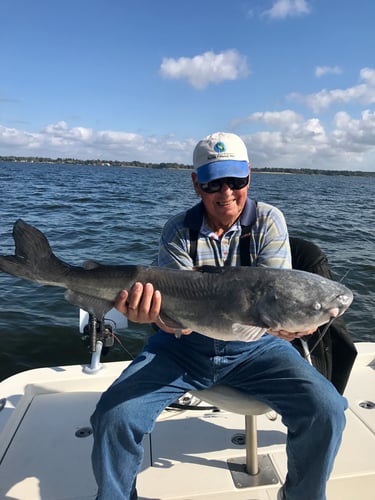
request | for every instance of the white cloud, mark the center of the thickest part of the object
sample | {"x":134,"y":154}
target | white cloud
{"x":279,"y":139}
{"x":281,"y":9}
{"x":207,"y":68}
{"x":363,"y":93}
{"x":355,"y":135}
{"x":293,"y":141}
{"x":326,"y":70}
{"x":58,"y":140}
{"x":281,"y":119}
{"x":69,"y":136}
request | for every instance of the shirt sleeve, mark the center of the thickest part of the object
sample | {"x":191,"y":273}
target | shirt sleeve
{"x":271,"y":238}
{"x":174,"y":245}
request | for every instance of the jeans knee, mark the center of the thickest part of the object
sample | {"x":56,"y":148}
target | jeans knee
{"x":329,"y":409}
{"x":108,"y":415}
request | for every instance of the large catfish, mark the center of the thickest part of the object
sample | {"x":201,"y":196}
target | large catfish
{"x":234,"y":303}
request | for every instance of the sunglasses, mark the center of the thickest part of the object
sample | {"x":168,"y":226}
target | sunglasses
{"x":232,"y":182}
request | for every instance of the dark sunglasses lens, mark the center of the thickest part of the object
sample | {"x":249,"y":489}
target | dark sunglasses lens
{"x":232,"y":182}
{"x":238,"y":182}
{"x":212,"y":186}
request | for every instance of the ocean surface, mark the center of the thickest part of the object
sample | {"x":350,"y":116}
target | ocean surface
{"x":115,"y":215}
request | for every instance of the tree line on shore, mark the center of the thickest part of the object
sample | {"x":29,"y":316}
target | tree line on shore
{"x":119,"y":163}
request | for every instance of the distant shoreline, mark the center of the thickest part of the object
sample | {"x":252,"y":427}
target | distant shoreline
{"x":178,"y":166}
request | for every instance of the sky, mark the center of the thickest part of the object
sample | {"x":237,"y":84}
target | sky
{"x":144,"y":80}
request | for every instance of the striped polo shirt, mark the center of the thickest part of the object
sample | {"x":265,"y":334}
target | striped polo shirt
{"x":268,"y":239}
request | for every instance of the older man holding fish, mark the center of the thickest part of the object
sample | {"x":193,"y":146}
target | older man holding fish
{"x":176,"y":360}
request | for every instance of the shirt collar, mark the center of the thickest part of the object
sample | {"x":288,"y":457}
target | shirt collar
{"x":194,"y":218}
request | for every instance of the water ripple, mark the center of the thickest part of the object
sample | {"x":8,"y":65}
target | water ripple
{"x":115,"y":215}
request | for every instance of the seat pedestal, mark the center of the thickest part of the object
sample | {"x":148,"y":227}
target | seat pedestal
{"x":242,"y":479}
{"x":251,"y":470}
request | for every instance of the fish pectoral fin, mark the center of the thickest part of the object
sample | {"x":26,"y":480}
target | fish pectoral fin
{"x":170,"y":322}
{"x":247,"y":333}
{"x":94,"y":305}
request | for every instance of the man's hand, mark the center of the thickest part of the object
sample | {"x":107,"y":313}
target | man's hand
{"x":142,"y":305}
{"x":290,"y":336}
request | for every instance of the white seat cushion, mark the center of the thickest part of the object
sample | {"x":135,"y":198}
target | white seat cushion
{"x":232,"y":400}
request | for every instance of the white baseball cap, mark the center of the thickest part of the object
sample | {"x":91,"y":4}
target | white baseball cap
{"x":219,"y":155}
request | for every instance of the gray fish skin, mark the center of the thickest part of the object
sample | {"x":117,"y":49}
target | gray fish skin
{"x":234,"y":303}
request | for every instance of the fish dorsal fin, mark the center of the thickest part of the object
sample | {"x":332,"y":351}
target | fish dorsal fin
{"x":89,"y":265}
{"x":247,"y":333}
{"x":209,"y":269}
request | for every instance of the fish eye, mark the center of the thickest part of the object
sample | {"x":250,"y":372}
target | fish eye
{"x":317,"y":306}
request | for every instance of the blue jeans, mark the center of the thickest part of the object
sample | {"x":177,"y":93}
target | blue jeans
{"x":269,"y":369}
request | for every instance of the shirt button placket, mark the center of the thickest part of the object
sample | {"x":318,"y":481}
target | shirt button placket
{"x":225,"y":247}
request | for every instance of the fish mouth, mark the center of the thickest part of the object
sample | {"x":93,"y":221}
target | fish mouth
{"x":345,"y":299}
{"x":334,"y":312}
{"x":343,"y":302}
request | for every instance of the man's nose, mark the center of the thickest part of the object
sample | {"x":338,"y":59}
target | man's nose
{"x":224,"y":187}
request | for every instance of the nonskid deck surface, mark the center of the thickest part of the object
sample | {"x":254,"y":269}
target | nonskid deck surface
{"x":45,"y":443}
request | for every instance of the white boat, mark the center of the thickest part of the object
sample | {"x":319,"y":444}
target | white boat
{"x":45,"y":442}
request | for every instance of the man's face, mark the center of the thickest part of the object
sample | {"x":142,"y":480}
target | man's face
{"x":225,"y":205}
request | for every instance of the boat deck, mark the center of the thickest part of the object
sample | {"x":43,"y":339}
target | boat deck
{"x":45,"y":442}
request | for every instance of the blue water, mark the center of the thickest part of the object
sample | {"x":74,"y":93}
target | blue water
{"x":115,"y":214}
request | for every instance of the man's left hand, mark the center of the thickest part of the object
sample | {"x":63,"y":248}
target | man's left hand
{"x":290,"y":336}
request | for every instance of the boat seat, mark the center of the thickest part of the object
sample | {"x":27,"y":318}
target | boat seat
{"x":236,"y":401}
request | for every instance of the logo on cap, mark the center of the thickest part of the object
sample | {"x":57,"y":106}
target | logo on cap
{"x":219,"y":147}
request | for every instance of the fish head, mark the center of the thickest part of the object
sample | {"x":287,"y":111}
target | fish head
{"x":302,"y":304}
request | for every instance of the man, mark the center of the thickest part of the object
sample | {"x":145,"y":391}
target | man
{"x":269,"y":369}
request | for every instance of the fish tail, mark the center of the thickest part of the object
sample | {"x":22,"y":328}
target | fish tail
{"x":33,"y":259}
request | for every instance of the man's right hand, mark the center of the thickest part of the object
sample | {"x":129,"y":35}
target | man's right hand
{"x":142,"y":305}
